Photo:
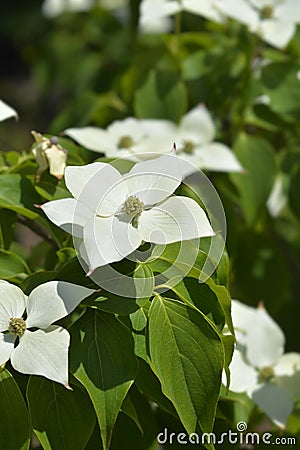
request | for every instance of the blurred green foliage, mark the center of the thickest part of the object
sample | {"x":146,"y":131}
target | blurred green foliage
{"x":94,"y":67}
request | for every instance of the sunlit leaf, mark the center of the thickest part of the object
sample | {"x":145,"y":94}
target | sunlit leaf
{"x":186,"y":355}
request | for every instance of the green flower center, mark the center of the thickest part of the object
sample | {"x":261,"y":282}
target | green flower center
{"x":17,"y":326}
{"x":132,"y":206}
{"x":266,"y":12}
{"x":188,"y":147}
{"x":266,"y":373}
{"x":125,"y":142}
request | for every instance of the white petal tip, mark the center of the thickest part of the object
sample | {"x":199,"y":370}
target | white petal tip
{"x":89,"y":273}
{"x":68,"y":387}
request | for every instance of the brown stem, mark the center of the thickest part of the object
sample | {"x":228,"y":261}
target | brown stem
{"x":38,"y":229}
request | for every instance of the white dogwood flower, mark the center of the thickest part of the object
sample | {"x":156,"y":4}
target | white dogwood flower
{"x":152,"y":11}
{"x":42,"y":348}
{"x":6,"y":111}
{"x":273,"y":20}
{"x":126,"y":137}
{"x":138,"y":138}
{"x":115,"y":213}
{"x":259,"y":367}
{"x":194,"y":138}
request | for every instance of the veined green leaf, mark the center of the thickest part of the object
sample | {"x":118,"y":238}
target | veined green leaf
{"x":102,"y":359}
{"x":149,"y":385}
{"x":11,"y":265}
{"x":17,"y":194}
{"x":187,"y":356}
{"x":15,"y":429}
{"x":61,"y":419}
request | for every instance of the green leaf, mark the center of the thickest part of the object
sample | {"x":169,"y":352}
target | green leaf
{"x":15,"y":429}
{"x":127,"y":435}
{"x":195,"y":65}
{"x":225,"y":300}
{"x":12,"y":158}
{"x":128,"y":408}
{"x":73,"y":272}
{"x":50,"y":191}
{"x":162,"y":96}
{"x":223,"y":269}
{"x":66,"y":254}
{"x":50,"y":188}
{"x":143,"y":281}
{"x":149,"y":385}
{"x":261,"y":271}
{"x":228,"y":343}
{"x":294,"y":189}
{"x":7,"y":227}
{"x":257,"y":157}
{"x":281,"y":84}
{"x":61,"y":419}
{"x":35,"y":279}
{"x":139,"y":321}
{"x":175,"y":261}
{"x":186,"y":354}
{"x":203,"y":298}
{"x":102,"y":359}
{"x":112,"y":303}
{"x":17,"y":194}
{"x":11,"y":265}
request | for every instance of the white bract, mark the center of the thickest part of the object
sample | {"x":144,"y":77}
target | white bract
{"x":259,"y":367}
{"x":273,"y":20}
{"x":43,"y":351}
{"x":136,"y":139}
{"x":6,"y":111}
{"x":152,"y":11}
{"x":115,"y":213}
{"x":278,"y":197}
{"x":48,"y":153}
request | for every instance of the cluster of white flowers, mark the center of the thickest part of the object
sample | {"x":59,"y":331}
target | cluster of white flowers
{"x":259,"y":366}
{"x":43,"y":351}
{"x":137,"y":138}
{"x":156,"y":11}
{"x":273,"y":20}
